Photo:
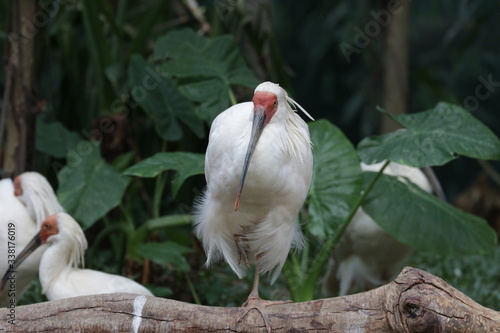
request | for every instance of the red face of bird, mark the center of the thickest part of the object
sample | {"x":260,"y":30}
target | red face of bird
{"x":18,"y":189}
{"x":265,"y":105}
{"x":49,"y":228}
{"x":266,"y":102}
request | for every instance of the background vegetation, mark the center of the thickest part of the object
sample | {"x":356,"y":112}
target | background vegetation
{"x":125,"y":89}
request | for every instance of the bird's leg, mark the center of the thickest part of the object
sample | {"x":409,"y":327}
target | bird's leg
{"x":255,"y":302}
{"x":242,"y":246}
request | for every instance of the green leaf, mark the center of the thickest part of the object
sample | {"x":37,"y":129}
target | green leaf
{"x":89,"y":187}
{"x":165,"y":253}
{"x":54,"y":139}
{"x":337,"y":179}
{"x":160,"y":291}
{"x":211,"y":97}
{"x":433,"y":137}
{"x":169,"y":221}
{"x":186,"y":165}
{"x":419,"y":219}
{"x":194,"y":56}
{"x":122,"y":161}
{"x":98,"y":52}
{"x":162,"y":101}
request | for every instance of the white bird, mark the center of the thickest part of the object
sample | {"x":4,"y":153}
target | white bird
{"x":367,"y":256}
{"x":267,"y":144}
{"x":59,"y":273}
{"x":37,"y":194}
{"x":25,"y":203}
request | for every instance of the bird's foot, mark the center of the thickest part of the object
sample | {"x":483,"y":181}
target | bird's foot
{"x":260,"y":305}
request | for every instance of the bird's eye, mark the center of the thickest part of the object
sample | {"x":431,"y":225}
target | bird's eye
{"x":275,"y":103}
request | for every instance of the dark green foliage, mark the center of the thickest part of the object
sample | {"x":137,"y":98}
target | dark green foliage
{"x":419,"y":219}
{"x":54,"y":139}
{"x":336,"y":180}
{"x":89,"y":187}
{"x":433,"y":137}
{"x":160,"y":98}
{"x":197,"y":57}
{"x":165,"y":253}
{"x":186,"y":165}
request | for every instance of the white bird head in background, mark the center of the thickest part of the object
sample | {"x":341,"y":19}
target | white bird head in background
{"x":37,"y":194}
{"x":62,"y":228}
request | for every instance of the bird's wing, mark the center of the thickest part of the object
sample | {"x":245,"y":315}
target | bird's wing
{"x":228,"y":132}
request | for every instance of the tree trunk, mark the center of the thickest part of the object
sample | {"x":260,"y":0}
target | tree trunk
{"x":19,"y":109}
{"x":415,"y":301}
{"x":395,"y":97}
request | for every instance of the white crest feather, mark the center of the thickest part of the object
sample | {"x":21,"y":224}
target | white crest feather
{"x":293,"y":103}
{"x":72,"y":242}
{"x":39,"y":197}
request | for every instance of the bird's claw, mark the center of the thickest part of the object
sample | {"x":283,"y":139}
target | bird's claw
{"x":259,"y":304}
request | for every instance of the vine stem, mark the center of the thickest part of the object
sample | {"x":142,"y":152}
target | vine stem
{"x":192,"y":289}
{"x":327,"y":248}
{"x":161,"y":179}
{"x":231,"y":97}
{"x":358,"y":204}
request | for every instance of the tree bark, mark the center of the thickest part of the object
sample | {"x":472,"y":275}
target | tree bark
{"x":19,"y":109}
{"x":395,"y":98}
{"x":415,"y":301}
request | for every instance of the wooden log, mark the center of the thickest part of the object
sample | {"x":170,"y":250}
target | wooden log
{"x":416,"y":301}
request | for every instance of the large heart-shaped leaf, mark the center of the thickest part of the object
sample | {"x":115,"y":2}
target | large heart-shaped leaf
{"x":417,"y":218}
{"x":162,"y":101}
{"x":433,"y":137}
{"x":186,"y":165}
{"x":54,"y":139}
{"x":211,"y":97}
{"x":89,"y":187}
{"x":165,"y":253}
{"x":337,"y":179}
{"x":195,"y":56}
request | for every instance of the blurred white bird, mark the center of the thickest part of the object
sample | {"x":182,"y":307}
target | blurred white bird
{"x":37,"y":194}
{"x":59,"y":274}
{"x":268,"y":144}
{"x":26,"y":202}
{"x":367,"y":256}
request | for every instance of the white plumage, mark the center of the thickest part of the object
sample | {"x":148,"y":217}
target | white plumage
{"x":60,"y":275}
{"x":25,"y":202}
{"x":276,"y":185}
{"x":37,"y":194}
{"x":367,"y":256}
{"x":273,"y":141}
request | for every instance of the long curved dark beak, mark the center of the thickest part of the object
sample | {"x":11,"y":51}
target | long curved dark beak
{"x":34,"y":244}
{"x":259,"y":118}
